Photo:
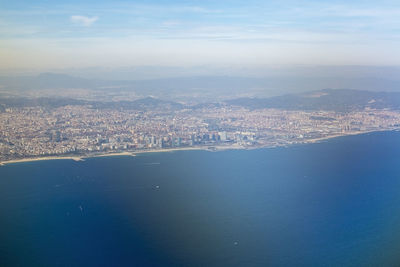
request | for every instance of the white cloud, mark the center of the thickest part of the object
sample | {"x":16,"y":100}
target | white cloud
{"x":83,"y":20}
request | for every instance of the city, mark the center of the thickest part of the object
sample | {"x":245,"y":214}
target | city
{"x":31,"y":132}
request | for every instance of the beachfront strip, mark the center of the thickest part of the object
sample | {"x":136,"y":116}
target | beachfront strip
{"x":82,"y":129}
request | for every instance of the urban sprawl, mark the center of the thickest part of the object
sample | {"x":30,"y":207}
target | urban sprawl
{"x":30,"y":132}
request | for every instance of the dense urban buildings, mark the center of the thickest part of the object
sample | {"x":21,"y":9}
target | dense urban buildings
{"x":85,"y":129}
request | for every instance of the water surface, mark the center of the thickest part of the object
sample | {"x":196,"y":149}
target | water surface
{"x":336,"y":203}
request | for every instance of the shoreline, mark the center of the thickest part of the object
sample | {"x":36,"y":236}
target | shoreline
{"x":317,"y":140}
{"x":74,"y":158}
{"x":111,"y":154}
{"x":206,"y":148}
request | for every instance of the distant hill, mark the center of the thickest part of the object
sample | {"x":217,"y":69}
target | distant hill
{"x":52,"y":102}
{"x":49,"y":102}
{"x":46,"y":81}
{"x":148,"y":103}
{"x":204,"y":88}
{"x":195,"y":85}
{"x":341,"y":100}
{"x":328,"y":99}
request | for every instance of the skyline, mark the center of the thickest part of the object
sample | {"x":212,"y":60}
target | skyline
{"x":188,"y":33}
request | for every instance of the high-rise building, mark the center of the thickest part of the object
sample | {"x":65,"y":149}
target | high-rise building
{"x":223,"y":136}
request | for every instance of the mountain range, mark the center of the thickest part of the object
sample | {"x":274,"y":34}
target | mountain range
{"x":340,"y":100}
{"x":207,"y":87}
{"x":327,"y":99}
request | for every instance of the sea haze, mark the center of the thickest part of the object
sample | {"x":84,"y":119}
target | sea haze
{"x":332,"y":203}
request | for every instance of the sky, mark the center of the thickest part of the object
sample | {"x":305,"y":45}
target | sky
{"x":74,"y":34}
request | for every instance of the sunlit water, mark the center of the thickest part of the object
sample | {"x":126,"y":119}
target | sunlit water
{"x":330,"y":204}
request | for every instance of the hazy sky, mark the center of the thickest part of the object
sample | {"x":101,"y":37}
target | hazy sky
{"x":73,"y":33}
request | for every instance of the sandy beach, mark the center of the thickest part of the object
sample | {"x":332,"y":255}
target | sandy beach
{"x":316,"y":140}
{"x":126,"y":153}
{"x":111,"y":154}
{"x":39,"y":159}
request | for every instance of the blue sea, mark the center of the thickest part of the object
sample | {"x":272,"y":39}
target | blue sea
{"x":335,"y":203}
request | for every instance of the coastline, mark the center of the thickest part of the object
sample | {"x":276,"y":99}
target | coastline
{"x":316,"y":140}
{"x":2,"y":163}
{"x":110,"y":154}
{"x":206,"y":148}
